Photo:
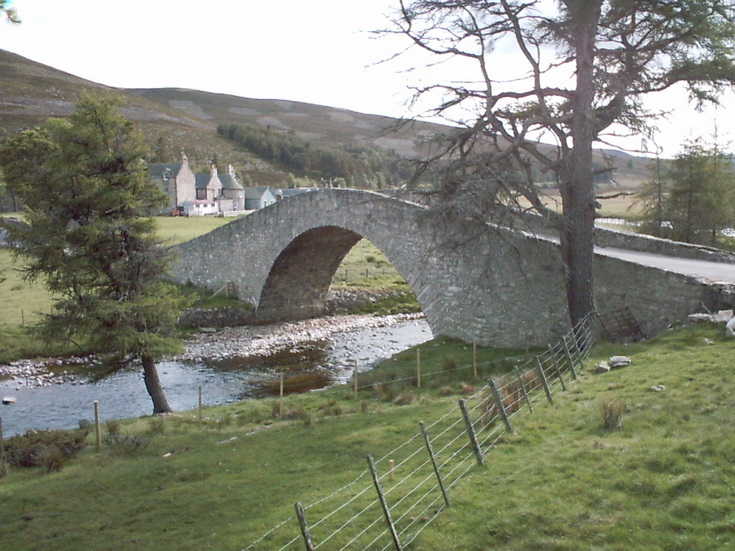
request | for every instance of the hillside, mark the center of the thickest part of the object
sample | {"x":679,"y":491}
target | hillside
{"x":173,"y":119}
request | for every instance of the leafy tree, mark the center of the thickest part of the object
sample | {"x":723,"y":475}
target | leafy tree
{"x":700,"y":196}
{"x":11,"y":14}
{"x":89,"y":236}
{"x":578,"y":73}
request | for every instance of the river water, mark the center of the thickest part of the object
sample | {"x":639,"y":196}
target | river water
{"x":308,"y":365}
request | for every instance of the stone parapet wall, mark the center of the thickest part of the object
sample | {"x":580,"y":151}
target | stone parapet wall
{"x":645,"y":243}
{"x":605,"y":237}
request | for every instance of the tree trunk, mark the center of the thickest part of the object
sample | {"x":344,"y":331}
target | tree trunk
{"x":153,"y":386}
{"x":577,"y":185}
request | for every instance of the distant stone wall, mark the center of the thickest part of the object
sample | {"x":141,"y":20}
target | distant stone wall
{"x":605,"y":237}
{"x":645,"y":243}
{"x":473,"y":281}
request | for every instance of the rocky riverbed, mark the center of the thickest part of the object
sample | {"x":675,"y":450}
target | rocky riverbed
{"x":211,"y":344}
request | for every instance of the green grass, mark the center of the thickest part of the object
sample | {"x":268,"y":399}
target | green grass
{"x":663,"y":480}
{"x":366,"y":267}
{"x":177,"y":229}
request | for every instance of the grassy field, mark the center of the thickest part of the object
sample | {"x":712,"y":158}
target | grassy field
{"x":663,"y":480}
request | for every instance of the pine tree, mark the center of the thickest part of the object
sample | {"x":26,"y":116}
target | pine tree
{"x":89,"y":236}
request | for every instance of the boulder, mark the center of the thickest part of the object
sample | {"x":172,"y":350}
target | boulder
{"x":619,"y":361}
{"x":730,"y":328}
{"x":7,"y":400}
{"x":720,"y":317}
{"x":602,"y":367}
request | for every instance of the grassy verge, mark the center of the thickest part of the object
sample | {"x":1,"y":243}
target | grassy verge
{"x":663,"y":480}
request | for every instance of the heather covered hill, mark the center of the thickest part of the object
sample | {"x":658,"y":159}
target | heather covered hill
{"x":175,"y":119}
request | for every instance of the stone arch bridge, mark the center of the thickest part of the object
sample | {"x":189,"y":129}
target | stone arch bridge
{"x":473,"y":281}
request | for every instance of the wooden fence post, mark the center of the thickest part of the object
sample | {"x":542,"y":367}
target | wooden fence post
{"x":471,"y":433}
{"x":2,"y":446}
{"x":97,"y":427}
{"x":304,"y":527}
{"x":280,"y":406}
{"x":427,"y":440}
{"x":199,"y":408}
{"x":544,"y":383}
{"x":418,"y":368}
{"x":354,"y":378}
{"x":384,"y":504}
{"x":555,"y":363}
{"x":523,"y":389}
{"x":3,"y":464}
{"x":569,"y":358}
{"x":474,"y":358}
{"x":499,"y":402}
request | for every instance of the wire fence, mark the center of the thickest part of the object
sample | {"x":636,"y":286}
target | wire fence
{"x":401,"y":492}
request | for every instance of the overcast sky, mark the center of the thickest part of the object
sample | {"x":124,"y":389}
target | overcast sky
{"x":316,"y":51}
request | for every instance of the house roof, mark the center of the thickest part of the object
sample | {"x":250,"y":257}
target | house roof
{"x":256,"y":192}
{"x":203,"y":180}
{"x":229,"y":182}
{"x":160,"y":170}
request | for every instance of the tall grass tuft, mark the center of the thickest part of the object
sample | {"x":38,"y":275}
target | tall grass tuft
{"x":612,"y":413}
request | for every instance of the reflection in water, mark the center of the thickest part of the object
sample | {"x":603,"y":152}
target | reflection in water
{"x":319,"y":364}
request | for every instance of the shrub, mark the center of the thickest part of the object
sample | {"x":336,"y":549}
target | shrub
{"x":113,"y":426}
{"x":124,"y":444}
{"x":449,"y":364}
{"x":45,"y":448}
{"x":331,"y":408}
{"x":612,"y":413}
{"x":383,"y":392}
{"x":157,"y":425}
{"x":294,"y":412}
{"x":404,"y":399}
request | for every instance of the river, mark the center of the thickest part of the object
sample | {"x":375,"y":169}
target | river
{"x":318,"y":357}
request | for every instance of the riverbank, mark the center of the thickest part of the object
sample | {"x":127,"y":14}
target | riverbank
{"x":245,"y":363}
{"x":256,"y":340}
{"x":210,"y":344}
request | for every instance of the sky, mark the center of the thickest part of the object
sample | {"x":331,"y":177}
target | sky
{"x":316,"y":51}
